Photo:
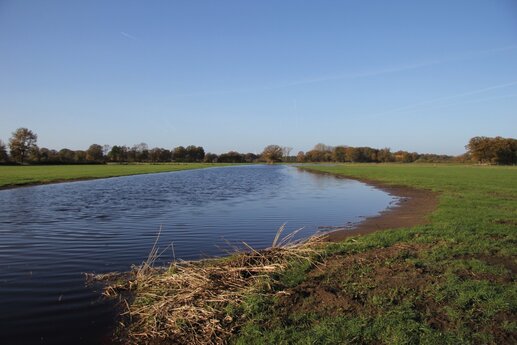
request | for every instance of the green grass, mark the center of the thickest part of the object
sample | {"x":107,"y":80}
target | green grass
{"x":11,"y":176}
{"x":450,"y":282}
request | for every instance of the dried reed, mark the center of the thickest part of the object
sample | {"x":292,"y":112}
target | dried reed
{"x":186,"y":302}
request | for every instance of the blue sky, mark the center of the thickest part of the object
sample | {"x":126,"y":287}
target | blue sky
{"x":238,"y":75}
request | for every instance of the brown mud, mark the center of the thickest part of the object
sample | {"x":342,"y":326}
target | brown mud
{"x":413,"y":208}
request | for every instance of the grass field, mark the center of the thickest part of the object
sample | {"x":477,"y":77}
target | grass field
{"x":450,"y":282}
{"x":11,"y":176}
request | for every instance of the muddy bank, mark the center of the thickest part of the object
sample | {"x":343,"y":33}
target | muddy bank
{"x":413,"y":208}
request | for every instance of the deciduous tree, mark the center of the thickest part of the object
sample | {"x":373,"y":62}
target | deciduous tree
{"x":300,"y":157}
{"x":22,"y":140}
{"x":3,"y":153}
{"x":95,"y":153}
{"x":272,"y":153}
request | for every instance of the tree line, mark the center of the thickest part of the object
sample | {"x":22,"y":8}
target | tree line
{"x":23,"y":149}
{"x":342,"y":154}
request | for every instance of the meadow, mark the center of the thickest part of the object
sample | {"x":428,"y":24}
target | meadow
{"x":451,"y":281}
{"x":12,"y":176}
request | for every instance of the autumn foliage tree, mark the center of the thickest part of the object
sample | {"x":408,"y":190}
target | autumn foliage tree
{"x":95,"y":153}
{"x":22,"y":140}
{"x":273,"y":153}
{"x":496,"y":150}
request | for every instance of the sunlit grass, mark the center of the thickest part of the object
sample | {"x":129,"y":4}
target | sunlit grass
{"x":41,"y":174}
{"x":450,"y":282}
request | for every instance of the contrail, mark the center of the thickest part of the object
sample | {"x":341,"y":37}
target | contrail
{"x":125,"y":34}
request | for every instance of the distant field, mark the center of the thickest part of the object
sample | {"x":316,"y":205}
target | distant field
{"x":11,"y":176}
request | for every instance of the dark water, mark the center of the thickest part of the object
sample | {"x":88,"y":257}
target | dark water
{"x":51,"y":234}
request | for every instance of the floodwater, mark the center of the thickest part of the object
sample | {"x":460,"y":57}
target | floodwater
{"x":52,"y":234}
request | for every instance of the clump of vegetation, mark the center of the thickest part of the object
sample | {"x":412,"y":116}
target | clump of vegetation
{"x":200,"y":302}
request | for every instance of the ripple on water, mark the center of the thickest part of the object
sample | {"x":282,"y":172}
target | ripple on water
{"x":52,"y":234}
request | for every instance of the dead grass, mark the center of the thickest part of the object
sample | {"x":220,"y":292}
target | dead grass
{"x":189,"y":302}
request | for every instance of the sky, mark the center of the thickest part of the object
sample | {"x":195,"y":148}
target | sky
{"x":239,"y":75}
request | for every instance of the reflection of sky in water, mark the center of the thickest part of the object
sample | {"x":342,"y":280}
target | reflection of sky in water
{"x":52,"y":233}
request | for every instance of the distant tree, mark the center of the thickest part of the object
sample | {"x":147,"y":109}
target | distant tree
{"x":505,"y":150}
{"x":95,"y":153}
{"x":317,"y":155}
{"x":194,"y":153}
{"x":106,"y":149}
{"x":286,"y":151}
{"x":80,"y":156}
{"x":210,"y":158}
{"x":384,"y":155}
{"x":140,"y":152}
{"x":320,"y":153}
{"x":231,"y":157}
{"x":165,"y":155}
{"x":131,"y":155}
{"x":464,"y":158}
{"x":118,"y":154}
{"x":322,"y":147}
{"x":300,"y":157}
{"x":4,"y":157}
{"x":47,"y":156}
{"x":496,"y":150}
{"x":154,"y":154}
{"x":66,"y":156}
{"x":33,"y":155}
{"x":339,"y":154}
{"x":21,"y":142}
{"x":272,"y":153}
{"x":179,"y":154}
{"x":250,"y":157}
{"x":352,"y":154}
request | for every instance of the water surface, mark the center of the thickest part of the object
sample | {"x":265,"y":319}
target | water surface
{"x":51,"y":234}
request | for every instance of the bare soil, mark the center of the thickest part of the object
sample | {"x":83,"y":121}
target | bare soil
{"x":347,"y":285}
{"x":412,"y":209}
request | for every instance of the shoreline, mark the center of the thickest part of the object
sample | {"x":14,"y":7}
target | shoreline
{"x":412,"y":209}
{"x":44,"y":183}
{"x":191,"y":166}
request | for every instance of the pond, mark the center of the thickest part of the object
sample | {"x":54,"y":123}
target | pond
{"x":52,"y":234}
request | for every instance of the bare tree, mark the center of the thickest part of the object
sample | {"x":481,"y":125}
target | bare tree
{"x":286,"y":151}
{"x":106,"y":149}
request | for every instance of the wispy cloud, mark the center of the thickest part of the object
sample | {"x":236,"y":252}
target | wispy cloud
{"x":446,"y":98}
{"x":412,"y":66}
{"x":363,"y":74}
{"x":131,"y":37}
{"x":477,"y":100}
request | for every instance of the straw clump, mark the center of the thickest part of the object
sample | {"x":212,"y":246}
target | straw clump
{"x":191,"y":302}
